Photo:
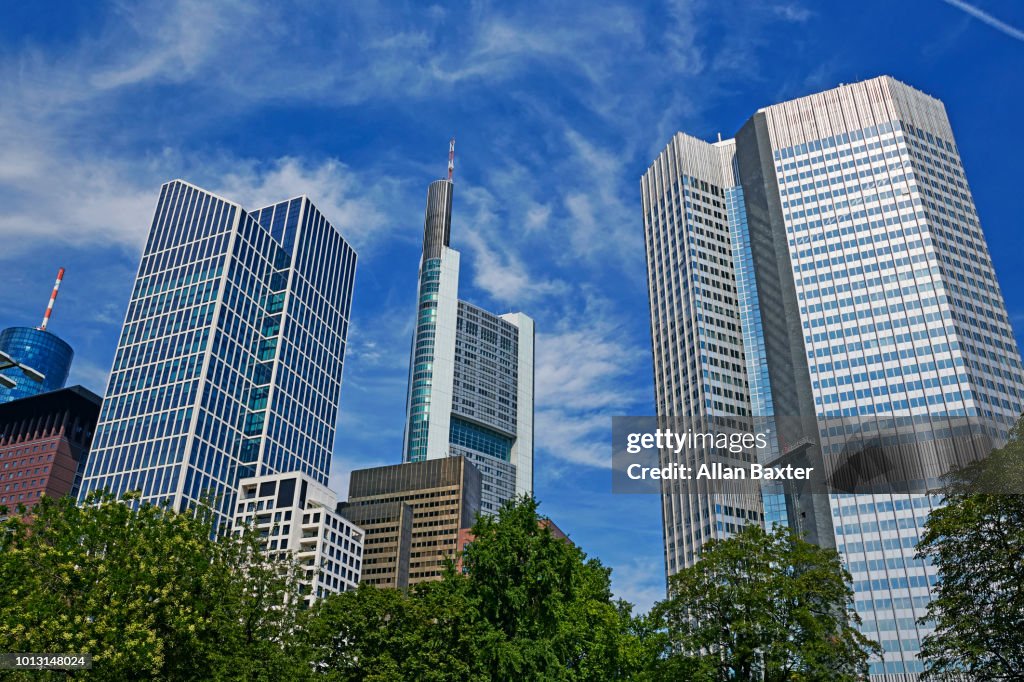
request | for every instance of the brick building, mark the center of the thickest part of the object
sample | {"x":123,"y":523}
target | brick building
{"x":44,"y":440}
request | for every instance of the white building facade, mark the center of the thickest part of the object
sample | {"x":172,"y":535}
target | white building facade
{"x":296,"y":518}
{"x":696,"y":331}
{"x":875,"y":298}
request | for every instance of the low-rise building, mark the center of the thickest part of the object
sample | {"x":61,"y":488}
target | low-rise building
{"x":294,"y":514}
{"x":44,"y":442}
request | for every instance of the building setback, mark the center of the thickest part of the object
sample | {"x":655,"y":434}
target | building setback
{"x":471,"y":372}
{"x":44,"y":441}
{"x":443,"y":495}
{"x":864,"y":291}
{"x":229,"y":364}
{"x":295,"y":517}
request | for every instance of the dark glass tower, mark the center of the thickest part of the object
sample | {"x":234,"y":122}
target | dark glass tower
{"x":230,"y":361}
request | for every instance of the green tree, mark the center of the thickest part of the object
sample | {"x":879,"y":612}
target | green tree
{"x":763,"y":606}
{"x":380,"y":635}
{"x":147,"y":592}
{"x":529,"y":606}
{"x":977,"y":543}
{"x":549,"y":606}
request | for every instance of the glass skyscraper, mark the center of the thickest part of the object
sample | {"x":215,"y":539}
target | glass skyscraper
{"x":470,"y":374}
{"x":229,"y":364}
{"x":41,"y":350}
{"x":876,"y":299}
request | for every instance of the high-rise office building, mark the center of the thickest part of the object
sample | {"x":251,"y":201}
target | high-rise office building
{"x":690,"y":204}
{"x":869,"y":295}
{"x":44,"y":441}
{"x":229,"y":364}
{"x":471,"y":372}
{"x":295,"y":518}
{"x":400,"y":548}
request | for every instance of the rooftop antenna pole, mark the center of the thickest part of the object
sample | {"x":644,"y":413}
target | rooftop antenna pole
{"x":53,"y":297}
{"x":451,"y":158}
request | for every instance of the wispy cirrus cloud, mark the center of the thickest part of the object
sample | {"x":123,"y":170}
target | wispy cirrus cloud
{"x":987,"y":19}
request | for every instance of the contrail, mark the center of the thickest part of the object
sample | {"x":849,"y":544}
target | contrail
{"x":987,"y":18}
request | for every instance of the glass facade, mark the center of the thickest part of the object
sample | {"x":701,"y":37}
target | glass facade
{"x":865,"y":291}
{"x":423,"y":362}
{"x":773,"y":496}
{"x":43,"y":352}
{"x":229,"y":364}
{"x":469,"y":435}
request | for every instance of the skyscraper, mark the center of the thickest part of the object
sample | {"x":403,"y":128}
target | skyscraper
{"x":471,"y":372}
{"x":230,"y":360}
{"x":875,"y":297}
{"x":690,"y":200}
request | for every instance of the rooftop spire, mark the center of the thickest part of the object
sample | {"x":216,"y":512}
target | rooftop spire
{"x":53,"y":298}
{"x":451,"y":158}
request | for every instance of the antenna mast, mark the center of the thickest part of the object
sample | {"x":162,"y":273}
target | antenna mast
{"x":53,"y":297}
{"x":451,"y":158}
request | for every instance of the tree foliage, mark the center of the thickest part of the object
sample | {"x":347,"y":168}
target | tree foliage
{"x":529,"y":606}
{"x":152,"y":594}
{"x":977,"y":543}
{"x":763,"y":606}
{"x":149,"y":593}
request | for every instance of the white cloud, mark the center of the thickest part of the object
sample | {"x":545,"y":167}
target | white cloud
{"x":639,"y":581}
{"x":586,"y":372}
{"x":89,"y":374}
{"x":111,"y":201}
{"x":353,"y":204}
{"x":96,"y":200}
{"x":793,"y":12}
{"x":495,"y":242}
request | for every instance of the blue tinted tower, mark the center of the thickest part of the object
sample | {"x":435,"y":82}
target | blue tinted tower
{"x":38,"y":349}
{"x":229,"y":364}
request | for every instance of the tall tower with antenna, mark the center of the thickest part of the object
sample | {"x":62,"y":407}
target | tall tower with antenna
{"x":39,"y":349}
{"x":470,"y":371}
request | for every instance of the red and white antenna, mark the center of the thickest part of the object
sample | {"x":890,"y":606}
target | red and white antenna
{"x":53,"y":297}
{"x":451,"y":158}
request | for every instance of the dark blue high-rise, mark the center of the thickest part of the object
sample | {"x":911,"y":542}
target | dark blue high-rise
{"x":230,"y":360}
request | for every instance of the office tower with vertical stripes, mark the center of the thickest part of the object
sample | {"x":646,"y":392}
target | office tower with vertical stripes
{"x":230,"y":360}
{"x":865,"y":291}
{"x":471,"y":372}
{"x":691,"y":202}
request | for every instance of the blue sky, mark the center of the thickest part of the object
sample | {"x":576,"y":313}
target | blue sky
{"x":557,"y":111}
